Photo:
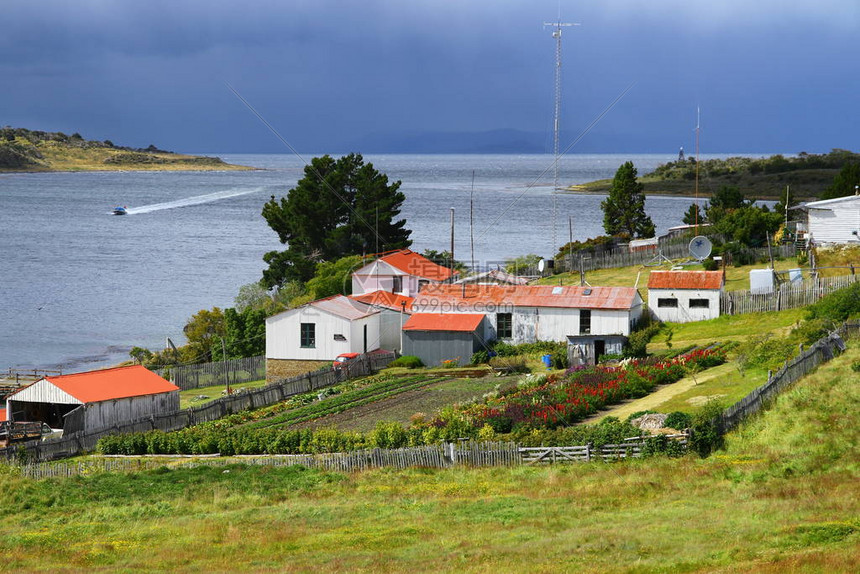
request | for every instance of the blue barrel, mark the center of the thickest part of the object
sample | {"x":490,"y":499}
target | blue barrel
{"x":547,"y":360}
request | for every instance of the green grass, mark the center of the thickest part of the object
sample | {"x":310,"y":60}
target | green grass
{"x":782,"y":497}
{"x":189,"y":398}
{"x":726,"y":328}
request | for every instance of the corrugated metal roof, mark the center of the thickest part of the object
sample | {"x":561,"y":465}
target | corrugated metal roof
{"x":103,"y":385}
{"x":416,"y":265}
{"x":344,"y":307}
{"x":385,"y":299}
{"x":465,"y":322}
{"x":685,"y":280}
{"x":570,"y":296}
{"x":494,"y":275}
{"x":828,"y":203}
{"x":2,"y":414}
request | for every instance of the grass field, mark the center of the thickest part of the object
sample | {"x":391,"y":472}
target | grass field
{"x":725,"y":328}
{"x":203,"y":395}
{"x":782,"y":497}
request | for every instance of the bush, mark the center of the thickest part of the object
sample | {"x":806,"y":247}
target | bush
{"x":706,"y":424}
{"x":710,"y":265}
{"x":678,"y":421}
{"x":639,"y":339}
{"x":837,"y":306}
{"x":515,"y":364}
{"x":408,"y":361}
{"x":481,"y":357}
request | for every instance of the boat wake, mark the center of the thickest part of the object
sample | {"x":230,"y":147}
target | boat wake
{"x":196,"y":200}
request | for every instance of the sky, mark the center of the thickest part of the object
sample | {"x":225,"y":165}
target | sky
{"x":336,"y":76}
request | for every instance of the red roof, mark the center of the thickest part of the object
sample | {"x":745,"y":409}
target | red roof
{"x":116,"y":383}
{"x":685,"y":280}
{"x":576,"y":297}
{"x":465,"y":322}
{"x":385,"y":299}
{"x":416,"y":265}
{"x":2,"y":414}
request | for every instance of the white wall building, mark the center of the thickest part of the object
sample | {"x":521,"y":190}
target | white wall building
{"x":685,"y":296}
{"x":833,"y":221}
{"x":402,"y":272}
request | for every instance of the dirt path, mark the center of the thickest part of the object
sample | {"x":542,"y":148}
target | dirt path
{"x":657,"y":398}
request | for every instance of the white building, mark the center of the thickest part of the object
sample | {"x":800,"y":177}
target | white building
{"x":403,"y":272}
{"x":311,"y":336}
{"x":833,"y":221}
{"x":593,"y":320}
{"x":685,"y":296}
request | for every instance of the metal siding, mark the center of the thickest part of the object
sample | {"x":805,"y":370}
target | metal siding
{"x":283,"y":335}
{"x":433,"y":347}
{"x":106,"y":414}
{"x":390,"y":324}
{"x":43,"y":391}
{"x":683,"y":313}
{"x":835,"y":224}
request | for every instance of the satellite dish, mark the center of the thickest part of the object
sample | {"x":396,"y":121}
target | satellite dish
{"x":700,"y":247}
{"x":541,"y":265}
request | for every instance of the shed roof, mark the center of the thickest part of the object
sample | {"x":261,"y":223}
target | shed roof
{"x":2,"y":414}
{"x":385,"y":299}
{"x":685,"y":280}
{"x":571,"y":296}
{"x":463,"y":322}
{"x":345,"y":307}
{"x":107,"y":384}
{"x":410,"y":263}
{"x":829,"y":203}
{"x":494,"y":275}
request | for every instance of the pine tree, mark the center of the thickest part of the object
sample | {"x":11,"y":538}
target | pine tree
{"x":624,"y":209}
{"x":340,"y":207}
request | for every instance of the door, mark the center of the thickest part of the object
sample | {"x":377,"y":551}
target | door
{"x":599,"y":349}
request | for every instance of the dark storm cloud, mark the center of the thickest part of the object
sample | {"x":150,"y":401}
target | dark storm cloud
{"x":770,"y":76}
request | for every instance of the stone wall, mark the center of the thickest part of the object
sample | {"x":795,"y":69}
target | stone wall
{"x":277,"y":369}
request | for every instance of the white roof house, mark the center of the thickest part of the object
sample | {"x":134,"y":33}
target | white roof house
{"x":834,"y":221}
{"x":685,"y":296}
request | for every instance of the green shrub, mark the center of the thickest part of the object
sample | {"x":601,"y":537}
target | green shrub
{"x":481,"y":357}
{"x":678,"y":420}
{"x":710,"y":265}
{"x":609,"y":357}
{"x":515,"y":364}
{"x":706,"y":426}
{"x":855,"y":366}
{"x":638,"y":414}
{"x":559,"y":359}
{"x":407,"y":361}
{"x":837,"y":306}
{"x":639,"y":339}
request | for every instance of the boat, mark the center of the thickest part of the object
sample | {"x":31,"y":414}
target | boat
{"x":119,"y":210}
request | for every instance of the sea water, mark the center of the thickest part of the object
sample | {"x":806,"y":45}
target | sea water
{"x":79,"y":287}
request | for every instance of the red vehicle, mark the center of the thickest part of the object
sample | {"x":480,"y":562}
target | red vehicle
{"x":343,"y":359}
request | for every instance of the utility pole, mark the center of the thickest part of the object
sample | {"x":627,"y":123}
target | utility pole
{"x":226,"y":372}
{"x":452,"y":244}
{"x":472,"y":220}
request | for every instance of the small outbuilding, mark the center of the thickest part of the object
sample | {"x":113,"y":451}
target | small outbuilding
{"x":685,"y":296}
{"x":94,"y":400}
{"x":438,"y":337}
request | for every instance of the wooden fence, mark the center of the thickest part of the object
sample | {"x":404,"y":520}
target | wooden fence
{"x":786,"y":296}
{"x":221,"y":372}
{"x":822,"y":351}
{"x":76,"y":443}
{"x":445,"y":455}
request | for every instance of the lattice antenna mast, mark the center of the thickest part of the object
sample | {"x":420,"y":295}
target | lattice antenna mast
{"x":556,"y":33}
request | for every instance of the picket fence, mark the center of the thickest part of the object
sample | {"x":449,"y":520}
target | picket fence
{"x":786,"y":296}
{"x":220,"y":372}
{"x":445,"y":455}
{"x":76,"y":443}
{"x":820,"y":352}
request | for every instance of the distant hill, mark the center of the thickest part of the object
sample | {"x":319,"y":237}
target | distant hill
{"x":766,"y":178}
{"x":26,"y":150}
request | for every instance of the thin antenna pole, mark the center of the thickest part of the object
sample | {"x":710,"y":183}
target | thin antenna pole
{"x":452,"y":243}
{"x":472,"y":220}
{"x":697,"y":168}
{"x":556,"y":33}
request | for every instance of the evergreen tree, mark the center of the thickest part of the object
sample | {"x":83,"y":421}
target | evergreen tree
{"x":844,"y":183}
{"x":340,"y":207}
{"x":624,"y":209}
{"x":693,"y":215}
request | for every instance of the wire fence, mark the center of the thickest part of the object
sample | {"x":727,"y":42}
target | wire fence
{"x":229,"y":372}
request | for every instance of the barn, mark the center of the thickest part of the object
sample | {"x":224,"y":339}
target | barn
{"x":685,"y":296}
{"x":94,"y":400}
{"x":438,"y":337}
{"x":833,"y":221}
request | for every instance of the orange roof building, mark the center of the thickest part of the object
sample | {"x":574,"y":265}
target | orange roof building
{"x":685,"y":296}
{"x":95,"y":399}
{"x":462,"y":322}
{"x":444,"y":338}
{"x":403,"y":272}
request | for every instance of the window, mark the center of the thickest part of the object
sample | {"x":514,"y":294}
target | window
{"x":339,"y":337}
{"x":584,"y":321}
{"x":667,"y":302}
{"x":504,"y":325}
{"x":397,"y":284}
{"x":308,"y":335}
{"x":699,"y":304}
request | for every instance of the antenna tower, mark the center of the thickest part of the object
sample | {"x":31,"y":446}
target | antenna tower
{"x":556,"y":33}
{"x":698,"y":129}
